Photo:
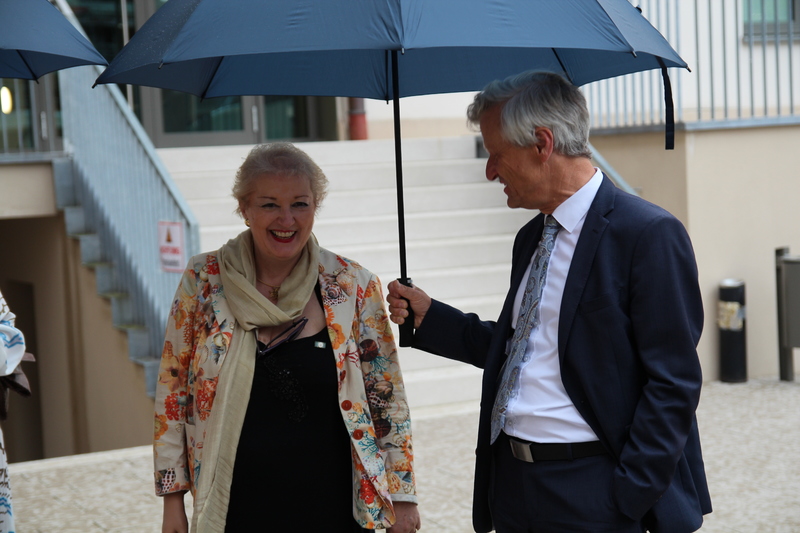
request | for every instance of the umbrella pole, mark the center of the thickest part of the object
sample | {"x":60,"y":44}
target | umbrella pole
{"x":407,"y":328}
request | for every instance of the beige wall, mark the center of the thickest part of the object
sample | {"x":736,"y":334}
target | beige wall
{"x":26,"y":190}
{"x":35,"y":253}
{"x":437,"y":127}
{"x":432,"y":115}
{"x":658,"y":175}
{"x":92,"y":397}
{"x":117,"y":410}
{"x":737,"y":191}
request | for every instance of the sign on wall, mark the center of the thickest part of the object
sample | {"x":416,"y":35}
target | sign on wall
{"x":171,"y":246}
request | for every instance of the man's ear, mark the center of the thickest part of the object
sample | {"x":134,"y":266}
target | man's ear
{"x":544,"y":143}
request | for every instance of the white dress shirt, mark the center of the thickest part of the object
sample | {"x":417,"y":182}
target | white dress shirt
{"x":540,"y":409}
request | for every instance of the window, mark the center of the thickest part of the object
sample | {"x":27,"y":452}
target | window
{"x":771,"y":19}
{"x":102,"y":21}
{"x":185,"y":113}
{"x":16,"y":127}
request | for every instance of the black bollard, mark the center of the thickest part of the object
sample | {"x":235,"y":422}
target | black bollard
{"x":731,"y":322}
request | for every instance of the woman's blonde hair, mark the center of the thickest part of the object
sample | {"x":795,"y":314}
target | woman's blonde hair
{"x":278,"y":159}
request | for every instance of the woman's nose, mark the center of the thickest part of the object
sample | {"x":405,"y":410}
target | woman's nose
{"x":286,"y":218}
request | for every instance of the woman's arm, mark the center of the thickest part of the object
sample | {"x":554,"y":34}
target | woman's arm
{"x":386,"y":394}
{"x":172,"y":394}
{"x":407,"y":518}
{"x":174,"y":520}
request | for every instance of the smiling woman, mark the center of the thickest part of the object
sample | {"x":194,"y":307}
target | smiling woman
{"x":279,"y":190}
{"x":280,"y":214}
{"x":275,"y":345}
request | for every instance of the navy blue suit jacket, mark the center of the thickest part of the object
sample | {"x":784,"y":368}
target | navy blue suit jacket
{"x":630,"y":320}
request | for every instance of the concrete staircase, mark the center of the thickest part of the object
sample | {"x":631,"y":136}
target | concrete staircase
{"x":459,"y":231}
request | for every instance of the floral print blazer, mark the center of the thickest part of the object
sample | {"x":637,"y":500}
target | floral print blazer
{"x":371,"y":392}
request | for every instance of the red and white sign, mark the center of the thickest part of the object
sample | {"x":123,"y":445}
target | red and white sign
{"x":171,"y":246}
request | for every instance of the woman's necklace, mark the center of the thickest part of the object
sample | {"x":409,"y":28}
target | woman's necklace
{"x":273,"y":294}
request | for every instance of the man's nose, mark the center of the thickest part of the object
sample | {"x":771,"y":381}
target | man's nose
{"x":491,"y":170}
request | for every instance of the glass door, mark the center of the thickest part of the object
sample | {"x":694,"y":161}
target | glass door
{"x":287,"y":117}
{"x":16,"y":116}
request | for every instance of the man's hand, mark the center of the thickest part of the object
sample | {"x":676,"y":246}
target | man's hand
{"x":400,"y":296}
{"x":408,"y":520}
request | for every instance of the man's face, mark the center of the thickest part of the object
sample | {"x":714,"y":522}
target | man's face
{"x":522,"y":170}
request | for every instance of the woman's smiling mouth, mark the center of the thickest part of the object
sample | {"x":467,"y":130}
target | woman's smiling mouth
{"x":283,"y":236}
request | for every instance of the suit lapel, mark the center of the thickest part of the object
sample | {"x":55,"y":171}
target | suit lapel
{"x":583,"y":258}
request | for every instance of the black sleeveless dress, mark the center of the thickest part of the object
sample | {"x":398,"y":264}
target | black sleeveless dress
{"x":293,"y":466}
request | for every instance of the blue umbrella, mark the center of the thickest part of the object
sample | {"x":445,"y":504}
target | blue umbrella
{"x":35,"y":39}
{"x":384,"y":49}
{"x":342,"y":47}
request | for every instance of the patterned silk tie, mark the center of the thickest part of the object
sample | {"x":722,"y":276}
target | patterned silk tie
{"x":527,"y":320}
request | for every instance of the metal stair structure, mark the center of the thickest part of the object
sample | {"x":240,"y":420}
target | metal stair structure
{"x":459,"y":230}
{"x":113,"y":191}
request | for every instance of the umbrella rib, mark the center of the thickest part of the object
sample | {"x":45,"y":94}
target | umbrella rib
{"x":28,"y":66}
{"x":555,"y":53}
{"x":213,"y":75}
{"x":621,"y":36}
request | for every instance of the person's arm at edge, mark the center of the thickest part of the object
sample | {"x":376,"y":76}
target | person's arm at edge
{"x":12,"y":341}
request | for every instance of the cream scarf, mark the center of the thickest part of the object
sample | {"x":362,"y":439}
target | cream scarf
{"x":251,"y":310}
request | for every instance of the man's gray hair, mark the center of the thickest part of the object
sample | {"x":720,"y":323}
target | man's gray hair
{"x":537,"y":99}
{"x":283,"y":159}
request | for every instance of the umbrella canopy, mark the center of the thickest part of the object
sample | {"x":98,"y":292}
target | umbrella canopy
{"x":341,"y":47}
{"x":384,"y":49}
{"x":35,"y":39}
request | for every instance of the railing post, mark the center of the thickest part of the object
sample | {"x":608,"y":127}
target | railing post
{"x":785,"y":284}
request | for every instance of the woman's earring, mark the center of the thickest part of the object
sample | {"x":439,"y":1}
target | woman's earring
{"x":247,"y":223}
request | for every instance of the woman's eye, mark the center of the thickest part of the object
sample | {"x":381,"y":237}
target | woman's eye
{"x":269,"y":205}
{"x":301,"y":204}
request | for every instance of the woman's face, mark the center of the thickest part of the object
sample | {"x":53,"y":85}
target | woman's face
{"x":281,"y":213}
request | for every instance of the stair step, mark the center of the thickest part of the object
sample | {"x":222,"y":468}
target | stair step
{"x":383,"y":228}
{"x":210,"y":183}
{"x":416,"y":199}
{"x":328,"y":152}
{"x":431,"y":254}
{"x":473,"y":281}
{"x":367,"y":203}
{"x":415,"y":173}
{"x":420,"y":226}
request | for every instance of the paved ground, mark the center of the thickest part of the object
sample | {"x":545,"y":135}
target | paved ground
{"x":750,"y":433}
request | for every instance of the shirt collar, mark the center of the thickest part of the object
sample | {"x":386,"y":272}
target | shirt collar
{"x":574,"y":209}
